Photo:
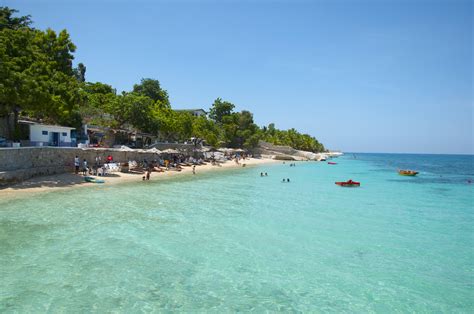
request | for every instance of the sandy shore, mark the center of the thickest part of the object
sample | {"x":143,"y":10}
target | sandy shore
{"x":71,"y":180}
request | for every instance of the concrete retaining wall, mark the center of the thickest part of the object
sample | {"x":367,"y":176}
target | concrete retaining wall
{"x":17,"y":164}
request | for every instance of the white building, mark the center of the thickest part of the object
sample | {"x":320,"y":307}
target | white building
{"x":50,"y":135}
{"x":194,"y":112}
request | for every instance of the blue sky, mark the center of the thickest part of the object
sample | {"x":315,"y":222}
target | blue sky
{"x":364,"y":76}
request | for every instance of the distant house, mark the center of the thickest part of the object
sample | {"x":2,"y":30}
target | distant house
{"x":194,"y":112}
{"x":50,"y":135}
{"x":108,"y":137}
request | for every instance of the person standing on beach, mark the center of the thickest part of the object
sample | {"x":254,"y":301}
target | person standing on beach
{"x":97,"y":161}
{"x":77,"y":164}
{"x":84,"y":167}
{"x":194,"y":169}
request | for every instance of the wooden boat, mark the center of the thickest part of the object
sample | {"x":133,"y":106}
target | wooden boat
{"x":332,"y":163}
{"x":93,"y":180}
{"x":410,"y":173}
{"x":349,"y":184}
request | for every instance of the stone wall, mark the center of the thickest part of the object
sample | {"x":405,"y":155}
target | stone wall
{"x":17,"y":164}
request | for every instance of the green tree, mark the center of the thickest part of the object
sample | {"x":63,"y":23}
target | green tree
{"x":185,"y":125}
{"x":239,"y":130}
{"x":291,"y":138}
{"x":98,"y":88}
{"x":35,"y":73}
{"x":99,"y":103}
{"x":135,"y":110}
{"x":14,"y":23}
{"x":80,"y":72}
{"x":220,"y":109}
{"x":206,"y":129}
{"x":151,"y":88}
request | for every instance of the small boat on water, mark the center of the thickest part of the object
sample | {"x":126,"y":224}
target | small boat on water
{"x":410,"y":173}
{"x":332,"y":163}
{"x":93,"y":180}
{"x":349,"y":184}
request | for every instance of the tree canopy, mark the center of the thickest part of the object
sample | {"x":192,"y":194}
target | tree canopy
{"x":36,"y":70}
{"x":220,"y":109}
{"x":8,"y":21}
{"x":151,"y":88}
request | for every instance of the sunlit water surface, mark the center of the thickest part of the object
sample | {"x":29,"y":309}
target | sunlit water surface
{"x":235,"y":241}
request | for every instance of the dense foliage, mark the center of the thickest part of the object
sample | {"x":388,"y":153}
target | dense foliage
{"x":291,"y":138}
{"x":37,"y":79}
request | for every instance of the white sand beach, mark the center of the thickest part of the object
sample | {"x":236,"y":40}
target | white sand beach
{"x":71,"y":180}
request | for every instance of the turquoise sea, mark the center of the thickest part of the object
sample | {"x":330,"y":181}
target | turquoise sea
{"x":235,"y":241}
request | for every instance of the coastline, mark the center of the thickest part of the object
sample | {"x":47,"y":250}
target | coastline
{"x":66,"y":181}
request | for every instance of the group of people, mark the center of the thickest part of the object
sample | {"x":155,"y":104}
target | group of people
{"x":98,"y":168}
{"x":155,"y":166}
{"x":264,"y":174}
{"x":147,"y":175}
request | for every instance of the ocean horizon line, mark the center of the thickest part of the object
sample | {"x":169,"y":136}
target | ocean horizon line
{"x":409,"y":153}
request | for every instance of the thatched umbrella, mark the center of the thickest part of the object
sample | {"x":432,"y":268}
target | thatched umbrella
{"x":126,"y":148}
{"x":225,"y":150}
{"x":170,"y":151}
{"x":154,"y":150}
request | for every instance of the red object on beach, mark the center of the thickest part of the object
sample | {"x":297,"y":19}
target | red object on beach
{"x":349,"y":184}
{"x":332,"y":163}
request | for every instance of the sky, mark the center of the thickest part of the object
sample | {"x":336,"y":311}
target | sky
{"x":360,"y":76}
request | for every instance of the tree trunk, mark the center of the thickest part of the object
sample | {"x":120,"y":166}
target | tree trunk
{"x":15,"y":125}
{"x":10,"y":128}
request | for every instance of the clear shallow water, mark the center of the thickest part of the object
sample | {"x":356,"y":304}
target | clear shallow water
{"x":236,"y":241}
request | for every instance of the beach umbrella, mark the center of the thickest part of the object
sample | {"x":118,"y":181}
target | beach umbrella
{"x":154,"y":151}
{"x":126,"y":148}
{"x":199,"y":150}
{"x":225,"y":150}
{"x":205,"y":149}
{"x":170,"y":151}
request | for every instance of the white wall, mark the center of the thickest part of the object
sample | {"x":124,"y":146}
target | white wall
{"x":36,"y":133}
{"x":198,"y":113}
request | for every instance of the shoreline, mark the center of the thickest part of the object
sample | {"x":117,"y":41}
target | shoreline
{"x":64,"y":181}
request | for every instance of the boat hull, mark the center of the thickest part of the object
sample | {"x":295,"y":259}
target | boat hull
{"x":93,"y":180}
{"x":349,"y":184}
{"x":408,"y":173}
